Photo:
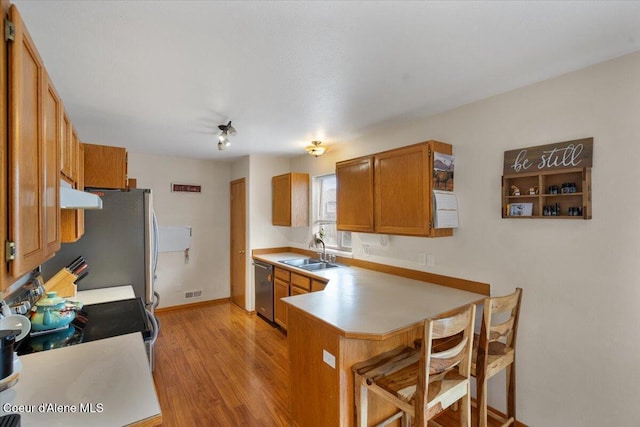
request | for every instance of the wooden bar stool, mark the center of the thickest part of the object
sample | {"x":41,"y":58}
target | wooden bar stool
{"x":494,"y":350}
{"x":421,"y":383}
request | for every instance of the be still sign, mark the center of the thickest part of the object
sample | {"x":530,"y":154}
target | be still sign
{"x":562,"y":155}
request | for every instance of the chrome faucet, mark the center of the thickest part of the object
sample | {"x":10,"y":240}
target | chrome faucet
{"x":323,"y":257}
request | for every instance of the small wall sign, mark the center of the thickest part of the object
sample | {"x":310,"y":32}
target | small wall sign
{"x":562,"y":155}
{"x":186,"y":188}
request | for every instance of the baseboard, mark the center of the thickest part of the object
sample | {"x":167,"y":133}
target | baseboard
{"x":192,"y":305}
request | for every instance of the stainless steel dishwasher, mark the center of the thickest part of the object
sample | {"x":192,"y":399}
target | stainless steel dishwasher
{"x":264,"y":289}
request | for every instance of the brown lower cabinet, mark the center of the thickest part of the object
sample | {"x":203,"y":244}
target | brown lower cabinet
{"x":287,"y":283}
{"x":298,"y":291}
{"x":280,"y":290}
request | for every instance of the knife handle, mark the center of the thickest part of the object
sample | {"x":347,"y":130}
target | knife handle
{"x":80,"y":269}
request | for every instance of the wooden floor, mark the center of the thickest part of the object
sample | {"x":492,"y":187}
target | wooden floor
{"x":218,"y":366}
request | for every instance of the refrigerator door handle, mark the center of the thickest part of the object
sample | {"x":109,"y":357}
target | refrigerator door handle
{"x":156,"y":242}
{"x":156,"y":300}
{"x":156,"y":327}
{"x":149,"y":247}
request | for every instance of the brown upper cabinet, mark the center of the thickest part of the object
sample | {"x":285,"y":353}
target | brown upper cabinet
{"x":72,"y":171}
{"x":74,"y":148}
{"x":65,"y":147}
{"x":34,"y":133}
{"x":4,"y":112}
{"x":69,"y":150}
{"x":355,"y":195}
{"x":105,"y":167}
{"x":390,"y":192}
{"x":290,"y":199}
{"x":72,"y":220}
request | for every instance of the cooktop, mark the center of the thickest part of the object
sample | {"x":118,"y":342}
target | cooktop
{"x":94,"y":322}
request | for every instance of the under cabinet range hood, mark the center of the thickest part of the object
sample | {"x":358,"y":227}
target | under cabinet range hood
{"x":76,"y":199}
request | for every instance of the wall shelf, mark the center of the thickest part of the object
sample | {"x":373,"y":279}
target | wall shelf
{"x":581,"y":198}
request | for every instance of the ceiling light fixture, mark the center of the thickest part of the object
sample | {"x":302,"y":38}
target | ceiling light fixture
{"x":225,"y":132}
{"x":315,"y":149}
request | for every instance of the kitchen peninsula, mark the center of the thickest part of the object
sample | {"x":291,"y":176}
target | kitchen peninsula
{"x":361,"y":313}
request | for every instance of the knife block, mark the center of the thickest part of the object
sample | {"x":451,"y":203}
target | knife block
{"x":62,"y":283}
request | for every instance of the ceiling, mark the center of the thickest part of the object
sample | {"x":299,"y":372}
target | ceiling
{"x":160,"y":76}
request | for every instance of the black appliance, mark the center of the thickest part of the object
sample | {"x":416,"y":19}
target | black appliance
{"x":264,"y":290}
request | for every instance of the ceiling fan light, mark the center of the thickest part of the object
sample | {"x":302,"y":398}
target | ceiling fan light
{"x":225,"y":132}
{"x":315,"y":149}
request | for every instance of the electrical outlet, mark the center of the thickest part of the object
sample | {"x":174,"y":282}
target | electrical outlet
{"x":422,"y":259}
{"x":329,"y":359}
{"x":365,"y":250}
{"x":431,"y":260}
{"x":178,"y":287}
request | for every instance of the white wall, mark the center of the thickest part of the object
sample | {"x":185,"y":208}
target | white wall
{"x":578,"y":353}
{"x":258,"y":171}
{"x":263,"y":168}
{"x":208,"y":215}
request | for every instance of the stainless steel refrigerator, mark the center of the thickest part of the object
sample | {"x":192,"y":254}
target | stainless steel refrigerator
{"x":119,"y":244}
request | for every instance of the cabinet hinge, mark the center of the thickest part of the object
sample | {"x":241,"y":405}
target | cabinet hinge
{"x":430,"y":225}
{"x":9,"y":30}
{"x":10,"y":251}
{"x":429,"y":152}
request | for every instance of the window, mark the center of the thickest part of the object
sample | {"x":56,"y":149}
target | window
{"x":324,"y":215}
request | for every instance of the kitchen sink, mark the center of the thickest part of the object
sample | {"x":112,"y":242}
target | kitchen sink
{"x":318,"y":266}
{"x":309,"y":264}
{"x":298,"y":262}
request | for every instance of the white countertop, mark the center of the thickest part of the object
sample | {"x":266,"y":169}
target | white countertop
{"x":368,"y":304}
{"x":96,"y":296}
{"x":111,"y":375}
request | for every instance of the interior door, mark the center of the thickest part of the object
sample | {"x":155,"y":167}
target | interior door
{"x":238,"y":255}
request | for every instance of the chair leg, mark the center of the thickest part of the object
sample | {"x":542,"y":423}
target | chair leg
{"x":481,"y":391}
{"x":511,"y":391}
{"x":465,"y":408}
{"x":406,"y":420}
{"x":356,"y":397}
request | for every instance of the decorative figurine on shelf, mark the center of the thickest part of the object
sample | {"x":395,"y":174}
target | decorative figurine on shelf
{"x":533,"y":190}
{"x":515,"y":191}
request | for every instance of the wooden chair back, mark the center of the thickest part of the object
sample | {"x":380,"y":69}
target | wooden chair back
{"x":496,"y":350}
{"x":436,"y":365}
{"x":506,"y":331}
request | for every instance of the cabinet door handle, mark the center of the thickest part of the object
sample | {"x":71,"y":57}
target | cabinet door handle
{"x":241,"y":251}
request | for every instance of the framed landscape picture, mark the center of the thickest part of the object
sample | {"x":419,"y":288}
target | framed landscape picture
{"x":443,"y":166}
